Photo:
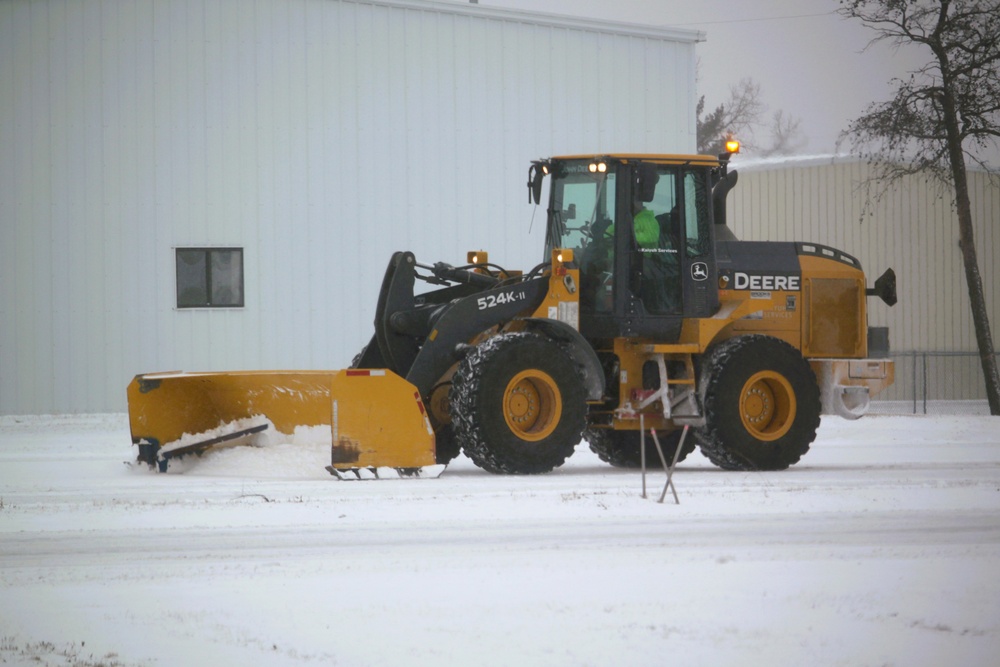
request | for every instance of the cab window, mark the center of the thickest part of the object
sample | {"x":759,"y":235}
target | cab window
{"x":696,"y":220}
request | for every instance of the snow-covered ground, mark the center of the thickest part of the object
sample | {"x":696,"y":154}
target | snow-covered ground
{"x":880,"y":548}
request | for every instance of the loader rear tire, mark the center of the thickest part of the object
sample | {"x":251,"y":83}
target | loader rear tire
{"x":622,"y":449}
{"x":518,"y":404}
{"x":762,"y":404}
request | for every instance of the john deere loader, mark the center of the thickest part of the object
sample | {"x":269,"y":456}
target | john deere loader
{"x":646,"y":311}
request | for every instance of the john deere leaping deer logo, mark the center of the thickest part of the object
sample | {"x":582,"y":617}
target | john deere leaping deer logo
{"x":699,"y":271}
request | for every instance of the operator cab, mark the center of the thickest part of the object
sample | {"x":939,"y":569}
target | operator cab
{"x":642,"y":235}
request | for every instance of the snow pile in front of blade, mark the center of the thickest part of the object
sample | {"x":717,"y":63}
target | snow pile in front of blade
{"x":192,"y":439}
{"x":270,"y":454}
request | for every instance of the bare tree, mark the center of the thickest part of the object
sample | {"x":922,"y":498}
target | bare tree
{"x":740,"y":116}
{"x":940,"y":116}
{"x":737,"y":116}
{"x":711,"y":128}
{"x":786,"y":135}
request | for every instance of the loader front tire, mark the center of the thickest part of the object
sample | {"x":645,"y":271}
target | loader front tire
{"x":518,"y":405}
{"x":622,"y":449}
{"x":762,"y":404}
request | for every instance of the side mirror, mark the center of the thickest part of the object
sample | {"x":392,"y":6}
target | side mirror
{"x":646,"y":181}
{"x":885,"y":287}
{"x":536,"y":173}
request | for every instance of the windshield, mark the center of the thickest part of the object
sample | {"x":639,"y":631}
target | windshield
{"x":583,"y":206}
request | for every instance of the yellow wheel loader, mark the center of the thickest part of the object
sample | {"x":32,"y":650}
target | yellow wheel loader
{"x":646,"y":312}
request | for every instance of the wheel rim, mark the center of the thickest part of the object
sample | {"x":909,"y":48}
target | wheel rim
{"x":439,"y":405}
{"x":767,"y":405}
{"x":532,"y":405}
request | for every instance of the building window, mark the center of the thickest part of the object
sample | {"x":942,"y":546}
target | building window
{"x":209,"y":277}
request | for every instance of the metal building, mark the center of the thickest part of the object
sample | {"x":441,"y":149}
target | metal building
{"x":219,"y":184}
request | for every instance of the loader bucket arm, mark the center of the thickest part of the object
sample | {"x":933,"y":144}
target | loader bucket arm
{"x":402,"y":319}
{"x":464,"y":319}
{"x":418,"y":337}
{"x":396,"y":349}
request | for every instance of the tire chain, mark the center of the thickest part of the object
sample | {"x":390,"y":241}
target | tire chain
{"x":465,"y":385}
{"x":708,"y":438}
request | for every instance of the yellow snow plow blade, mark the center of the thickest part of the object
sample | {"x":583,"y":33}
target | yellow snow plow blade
{"x":376,"y":418}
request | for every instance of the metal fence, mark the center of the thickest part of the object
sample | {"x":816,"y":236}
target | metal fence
{"x":934,"y":382}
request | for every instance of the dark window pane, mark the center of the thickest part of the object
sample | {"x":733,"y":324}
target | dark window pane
{"x":696,"y":213}
{"x":192,"y":287}
{"x":227,"y":277}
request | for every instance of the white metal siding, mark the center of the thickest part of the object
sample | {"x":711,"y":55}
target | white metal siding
{"x":913,"y":229}
{"x":319,"y":135}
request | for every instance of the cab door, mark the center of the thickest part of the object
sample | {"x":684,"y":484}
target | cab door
{"x":668,"y":267}
{"x":701,"y":277}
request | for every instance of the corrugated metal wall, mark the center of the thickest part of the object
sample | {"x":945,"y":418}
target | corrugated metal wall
{"x":319,"y":135}
{"x":913,"y":229}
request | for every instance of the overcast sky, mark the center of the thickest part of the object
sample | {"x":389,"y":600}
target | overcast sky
{"x":809,"y":62}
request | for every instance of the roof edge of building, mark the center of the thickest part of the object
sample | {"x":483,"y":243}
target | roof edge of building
{"x":682,"y":35}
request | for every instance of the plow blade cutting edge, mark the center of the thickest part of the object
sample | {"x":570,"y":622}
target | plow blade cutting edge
{"x":378,"y":425}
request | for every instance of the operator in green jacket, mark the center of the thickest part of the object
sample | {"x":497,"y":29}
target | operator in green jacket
{"x":657,"y":271}
{"x":659,"y":284}
{"x":646,"y":228}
